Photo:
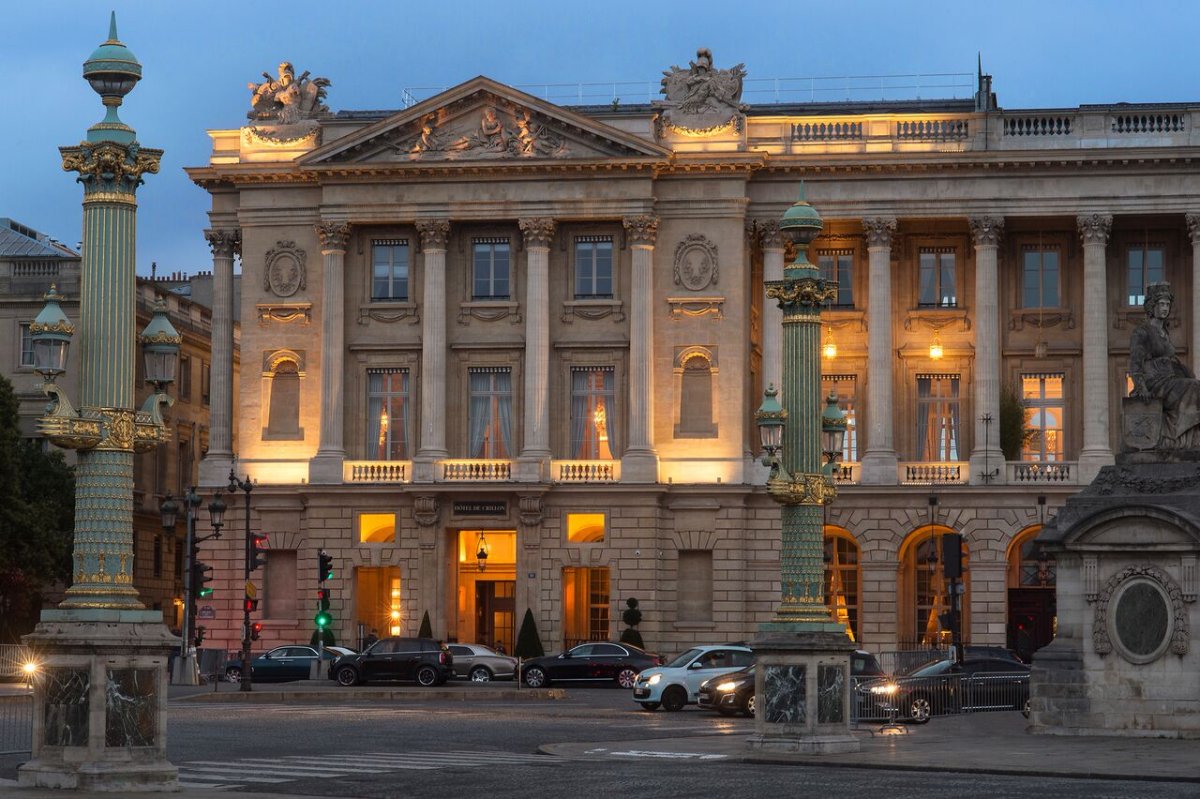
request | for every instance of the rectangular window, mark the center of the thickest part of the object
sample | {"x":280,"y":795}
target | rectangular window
{"x":938,"y":287}
{"x":937,"y":418}
{"x":1039,"y":277}
{"x":387,"y":415}
{"x":694,"y":597}
{"x":376,"y":528}
{"x":585,"y":604}
{"x":839,"y":265}
{"x":279,"y":586}
{"x":490,"y":412}
{"x":389,"y":269}
{"x":1042,"y":395}
{"x":205,"y":381}
{"x":592,"y":418}
{"x":26,"y":346}
{"x":585,"y":528}
{"x":593,"y":267}
{"x":844,"y":387}
{"x":1145,"y":265}
{"x":491,"y":270}
{"x":185,"y":378}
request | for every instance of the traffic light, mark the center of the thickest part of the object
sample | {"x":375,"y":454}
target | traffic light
{"x":201,"y":574}
{"x":324,"y":566}
{"x":257,"y":554}
{"x":323,"y":618}
{"x":952,"y":555}
{"x":255,"y":630}
{"x":200,"y":631}
{"x":251,"y":605}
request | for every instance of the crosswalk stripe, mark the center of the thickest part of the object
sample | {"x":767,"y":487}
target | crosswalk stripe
{"x":241,"y":778}
{"x":263,"y":767}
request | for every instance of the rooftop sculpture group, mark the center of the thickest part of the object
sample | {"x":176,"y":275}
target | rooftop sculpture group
{"x":287,"y":100}
{"x":701,"y":99}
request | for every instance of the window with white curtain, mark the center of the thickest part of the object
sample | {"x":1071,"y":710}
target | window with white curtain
{"x":937,"y":417}
{"x":593,"y":417}
{"x":937,"y":280}
{"x":490,"y":413}
{"x":387,"y":414}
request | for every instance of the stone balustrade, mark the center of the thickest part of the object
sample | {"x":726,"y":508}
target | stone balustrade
{"x":376,"y":471}
{"x":476,"y":470}
{"x":575,"y":471}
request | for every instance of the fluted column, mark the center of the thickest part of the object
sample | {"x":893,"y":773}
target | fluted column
{"x":534,"y":463}
{"x":1193,"y":226}
{"x":214,"y":469}
{"x":1096,"y":452}
{"x":640,"y":462}
{"x":326,"y":465}
{"x":987,"y":459}
{"x":772,"y":323}
{"x":879,"y":461}
{"x":432,"y":445}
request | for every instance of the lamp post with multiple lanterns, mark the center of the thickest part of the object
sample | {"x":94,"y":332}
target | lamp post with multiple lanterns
{"x":193,"y":574}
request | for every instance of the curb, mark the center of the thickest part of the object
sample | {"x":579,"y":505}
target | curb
{"x":372,"y":694}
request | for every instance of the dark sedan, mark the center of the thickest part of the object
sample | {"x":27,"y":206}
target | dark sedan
{"x":283,"y":663}
{"x":944,"y":687}
{"x":592,"y":662}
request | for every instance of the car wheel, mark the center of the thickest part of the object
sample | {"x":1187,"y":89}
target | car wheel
{"x":233,"y":674}
{"x":919,"y":709}
{"x":535,"y":677}
{"x":674,"y":698}
{"x":481,"y":674}
{"x":651,"y":706}
{"x":626,"y":678}
{"x":347,"y":676}
{"x":751,"y":706}
{"x":427,"y":676}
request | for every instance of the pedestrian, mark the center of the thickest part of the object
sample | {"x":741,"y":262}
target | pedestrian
{"x":500,"y":647}
{"x":371,"y":638}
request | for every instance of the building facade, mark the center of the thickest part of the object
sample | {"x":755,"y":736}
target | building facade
{"x":489,"y":324}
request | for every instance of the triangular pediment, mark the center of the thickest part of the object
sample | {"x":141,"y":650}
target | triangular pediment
{"x":482,"y":120}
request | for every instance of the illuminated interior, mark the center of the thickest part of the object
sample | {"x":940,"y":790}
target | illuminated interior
{"x":376,"y":528}
{"x":585,"y":528}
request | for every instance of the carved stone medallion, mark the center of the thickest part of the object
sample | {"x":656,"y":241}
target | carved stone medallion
{"x":284,"y":272}
{"x":695,"y":263}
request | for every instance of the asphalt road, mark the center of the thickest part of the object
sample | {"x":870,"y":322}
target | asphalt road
{"x":440,"y":748}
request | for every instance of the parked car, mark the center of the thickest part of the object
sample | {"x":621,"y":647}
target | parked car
{"x":290,"y":662}
{"x":480,"y":663}
{"x":424,"y":660}
{"x":729,"y":694}
{"x":591,"y":662}
{"x":675,"y":684}
{"x":944,"y":687}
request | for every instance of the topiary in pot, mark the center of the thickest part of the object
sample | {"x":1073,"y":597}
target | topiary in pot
{"x":426,"y":630}
{"x":529,"y":643}
{"x":632,"y":617}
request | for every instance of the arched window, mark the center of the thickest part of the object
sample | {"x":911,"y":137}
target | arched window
{"x":283,"y":409}
{"x":1028,"y":564}
{"x":924,"y":591}
{"x":843,"y":577}
{"x":1032,"y":605}
{"x":696,"y":397}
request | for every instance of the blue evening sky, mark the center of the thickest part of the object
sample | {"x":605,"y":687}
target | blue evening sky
{"x":198,"y":56}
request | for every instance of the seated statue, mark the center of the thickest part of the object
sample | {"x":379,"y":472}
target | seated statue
{"x":1158,"y":374}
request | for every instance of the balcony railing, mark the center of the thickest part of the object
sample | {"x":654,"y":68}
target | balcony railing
{"x":476,"y":470}
{"x":376,"y":471}
{"x":847,"y":473}
{"x":1041,"y":472}
{"x":586,"y":471}
{"x":931,"y":472}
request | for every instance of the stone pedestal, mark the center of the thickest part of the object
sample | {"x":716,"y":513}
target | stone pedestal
{"x":100,"y":702}
{"x":324,"y":469}
{"x":802,"y":686}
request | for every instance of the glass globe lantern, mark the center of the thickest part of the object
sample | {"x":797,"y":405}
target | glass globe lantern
{"x":833,"y":431}
{"x":770,"y":418}
{"x":169,"y":509}
{"x":160,"y":347}
{"x":51,"y":332}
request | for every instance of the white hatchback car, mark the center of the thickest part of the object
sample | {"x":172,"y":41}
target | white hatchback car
{"x":677,"y":683}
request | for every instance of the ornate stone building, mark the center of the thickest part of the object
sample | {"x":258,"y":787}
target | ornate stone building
{"x":491,"y":323}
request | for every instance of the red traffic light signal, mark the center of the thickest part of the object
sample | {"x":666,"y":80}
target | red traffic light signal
{"x":256,"y":551}
{"x":255,"y":630}
{"x":251,"y":605}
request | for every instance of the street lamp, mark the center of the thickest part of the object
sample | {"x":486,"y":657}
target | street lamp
{"x":245,"y":486}
{"x":185,"y":673}
{"x":481,"y":555}
{"x":833,"y":433}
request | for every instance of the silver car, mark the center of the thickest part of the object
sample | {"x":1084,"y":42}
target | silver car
{"x":480,"y":663}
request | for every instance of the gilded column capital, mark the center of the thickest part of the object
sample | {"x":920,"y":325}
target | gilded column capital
{"x":770,"y":236}
{"x":333,"y":235}
{"x":641,"y":229}
{"x":538,"y":230}
{"x":986,"y":231}
{"x":1094,"y":228}
{"x":1193,"y":227}
{"x":224,"y":243}
{"x":435,"y":233}
{"x":109,"y":170}
{"x":880,"y":230}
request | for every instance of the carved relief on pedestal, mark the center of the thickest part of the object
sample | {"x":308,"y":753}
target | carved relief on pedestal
{"x":284,"y":270}
{"x":426,"y":509}
{"x":696,"y":263}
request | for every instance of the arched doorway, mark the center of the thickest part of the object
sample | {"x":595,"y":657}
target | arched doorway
{"x":924,"y":594}
{"x":1032,"y":612}
{"x":843,"y":576}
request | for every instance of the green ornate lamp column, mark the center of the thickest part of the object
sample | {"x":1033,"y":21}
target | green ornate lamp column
{"x":803,"y":673}
{"x":100,"y":701}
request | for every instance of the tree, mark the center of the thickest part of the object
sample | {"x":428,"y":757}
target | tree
{"x":426,"y":630}
{"x":529,"y":643}
{"x":1015,"y":434}
{"x":37,"y":519}
{"x":632,"y":618}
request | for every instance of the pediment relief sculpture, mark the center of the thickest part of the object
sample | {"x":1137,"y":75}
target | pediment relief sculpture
{"x":701,"y":99}
{"x":489,"y":132}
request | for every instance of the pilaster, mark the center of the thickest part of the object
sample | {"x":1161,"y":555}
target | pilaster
{"x":326,"y":465}
{"x":1096,"y":452}
{"x":879,"y":462}
{"x":214,"y":469}
{"x":987,"y":459}
{"x":534,"y":462}
{"x":431,"y":446}
{"x":640,"y":461}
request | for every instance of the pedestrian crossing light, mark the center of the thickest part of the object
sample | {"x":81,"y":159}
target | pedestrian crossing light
{"x":324,"y":566}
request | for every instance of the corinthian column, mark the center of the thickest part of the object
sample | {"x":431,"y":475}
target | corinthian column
{"x":1193,"y":226}
{"x":432,"y":445}
{"x":987,"y":459}
{"x":640,"y":462}
{"x":326,"y":466}
{"x":772,"y":322}
{"x":1096,"y":452}
{"x":214,"y":469}
{"x":879,"y":461}
{"x":534,"y":463}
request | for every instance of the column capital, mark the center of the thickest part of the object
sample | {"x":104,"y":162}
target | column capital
{"x":769,"y":234}
{"x":986,"y":231}
{"x":333,"y":235}
{"x":435,"y":233}
{"x":224,"y":243}
{"x":1193,"y":227}
{"x":1094,"y":228}
{"x":642,"y":229}
{"x":538,"y":230}
{"x":880,"y":230}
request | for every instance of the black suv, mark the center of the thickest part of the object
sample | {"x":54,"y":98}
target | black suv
{"x":424,"y":660}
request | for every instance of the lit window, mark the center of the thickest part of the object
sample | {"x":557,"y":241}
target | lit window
{"x":1042,"y":395}
{"x":593,"y":267}
{"x":937,"y":286}
{"x":490,"y":412}
{"x":585,"y":528}
{"x":841,"y":580}
{"x":491,"y":270}
{"x":839,"y":265}
{"x":376,"y":528}
{"x":1145,"y":265}
{"x":1039,"y":277}
{"x":389,"y":269}
{"x":387,"y":414}
{"x":844,"y":387}
{"x":937,"y":417}
{"x":592,"y":418}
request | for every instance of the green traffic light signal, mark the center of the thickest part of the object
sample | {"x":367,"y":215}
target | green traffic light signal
{"x":323,"y":619}
{"x":206,"y":591}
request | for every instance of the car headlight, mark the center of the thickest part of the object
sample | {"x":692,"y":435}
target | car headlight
{"x":886,"y":690}
{"x":655,"y":679}
{"x":726,"y":687}
{"x":30,"y":669}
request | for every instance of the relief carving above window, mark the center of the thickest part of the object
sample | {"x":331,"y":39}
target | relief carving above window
{"x":696,"y":263}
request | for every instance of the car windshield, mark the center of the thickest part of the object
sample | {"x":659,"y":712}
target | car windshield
{"x":684,"y":659}
{"x":930,"y":669}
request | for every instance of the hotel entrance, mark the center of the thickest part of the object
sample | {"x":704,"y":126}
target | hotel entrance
{"x":486,"y":588}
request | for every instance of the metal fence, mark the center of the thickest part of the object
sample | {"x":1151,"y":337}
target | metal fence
{"x":13,"y":658}
{"x":918,"y":699}
{"x":16,"y":724}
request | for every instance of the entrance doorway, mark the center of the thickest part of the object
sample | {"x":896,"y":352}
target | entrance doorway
{"x":1032,"y":607}
{"x":486,"y":588}
{"x":495,"y":608}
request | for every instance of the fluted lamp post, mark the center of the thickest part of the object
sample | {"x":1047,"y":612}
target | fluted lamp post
{"x":803,"y":654}
{"x":100,"y":718}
